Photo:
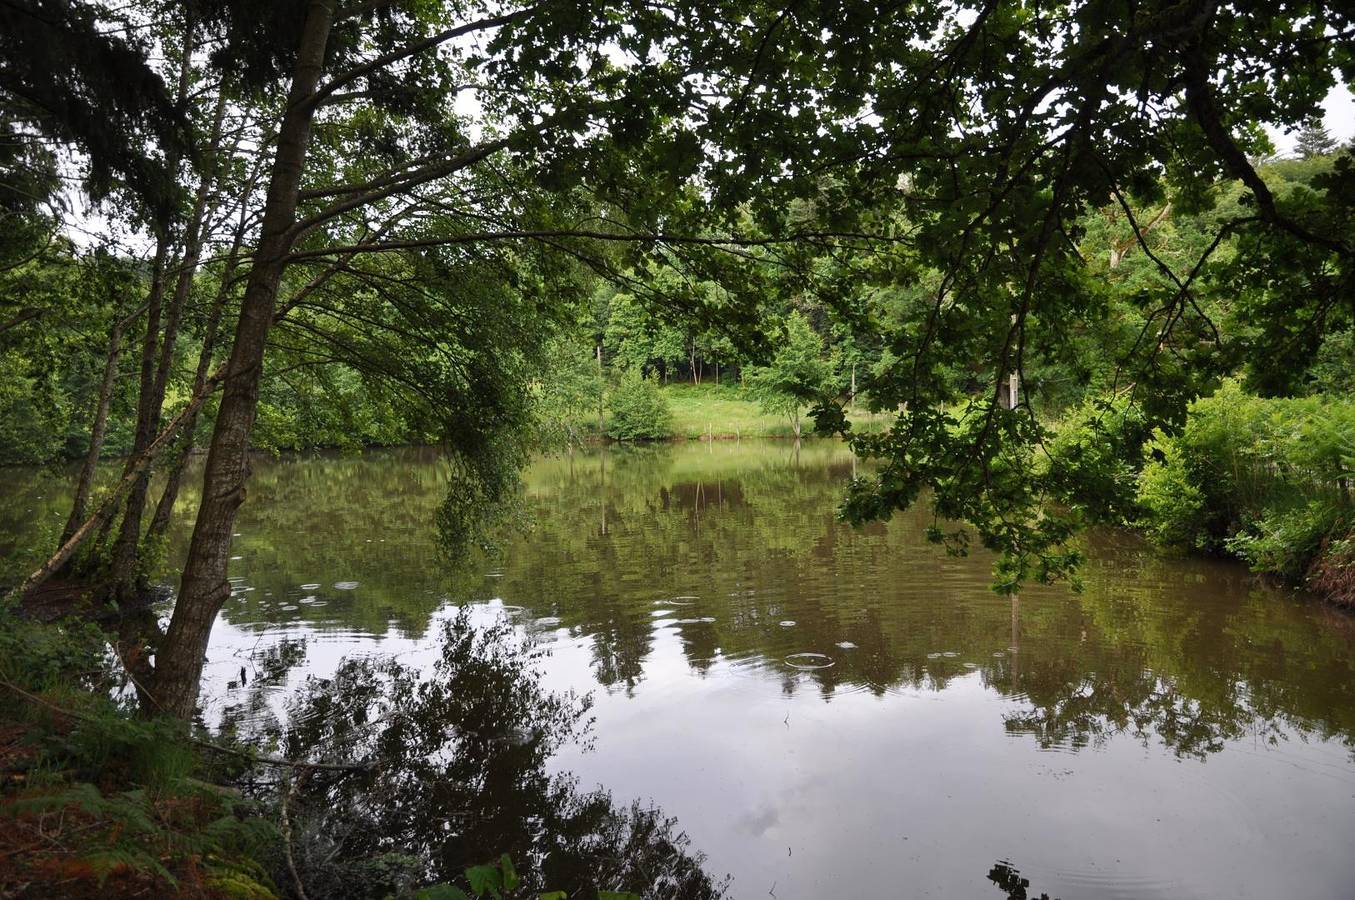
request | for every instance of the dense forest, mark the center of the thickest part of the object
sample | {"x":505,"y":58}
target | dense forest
{"x":1040,"y":265}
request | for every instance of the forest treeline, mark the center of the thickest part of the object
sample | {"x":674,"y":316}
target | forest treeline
{"x":623,"y":339}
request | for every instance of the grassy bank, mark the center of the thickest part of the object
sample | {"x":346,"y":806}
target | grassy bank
{"x":727,"y":411}
{"x":96,"y":802}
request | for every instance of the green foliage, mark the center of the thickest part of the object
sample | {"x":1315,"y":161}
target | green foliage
{"x":1266,"y":479}
{"x":637,"y":410}
{"x":1333,"y":369}
{"x":1095,"y":456}
{"x":797,"y":376}
{"x":112,"y":796}
{"x":1314,"y":140}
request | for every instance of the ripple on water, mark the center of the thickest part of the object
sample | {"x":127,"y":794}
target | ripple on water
{"x":310,"y":587}
{"x":345,"y":585}
{"x":845,"y":645}
{"x":787,"y":623}
{"x":806,"y":661}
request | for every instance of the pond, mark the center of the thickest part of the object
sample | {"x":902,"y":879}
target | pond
{"x":830,"y":711}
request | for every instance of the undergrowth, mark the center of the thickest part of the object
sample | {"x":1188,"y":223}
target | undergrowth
{"x":96,"y":802}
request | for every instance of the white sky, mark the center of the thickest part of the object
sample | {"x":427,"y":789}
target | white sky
{"x":1338,"y":115}
{"x":86,"y":225}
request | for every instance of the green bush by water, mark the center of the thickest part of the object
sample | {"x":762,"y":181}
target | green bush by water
{"x":638,"y":410}
{"x":1268,"y":480}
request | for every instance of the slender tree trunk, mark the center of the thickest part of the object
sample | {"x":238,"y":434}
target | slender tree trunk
{"x":188,"y":267}
{"x":124,"y":549}
{"x":164,"y":509}
{"x":135,"y":466}
{"x":155,"y":371}
{"x":97,"y":430}
{"x":602,"y":385}
{"x":204,"y":589}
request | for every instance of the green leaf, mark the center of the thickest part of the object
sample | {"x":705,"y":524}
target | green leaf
{"x":440,"y":892}
{"x":554,"y":895}
{"x":618,"y":895}
{"x":485,"y":880}
{"x":510,"y":875}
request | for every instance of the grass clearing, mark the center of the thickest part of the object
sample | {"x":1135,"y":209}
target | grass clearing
{"x":728,"y":411}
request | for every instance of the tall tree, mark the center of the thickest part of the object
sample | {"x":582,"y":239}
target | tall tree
{"x":1314,"y":140}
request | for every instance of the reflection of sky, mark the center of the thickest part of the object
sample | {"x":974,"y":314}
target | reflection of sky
{"x":902,"y":770}
{"x":913,"y":792}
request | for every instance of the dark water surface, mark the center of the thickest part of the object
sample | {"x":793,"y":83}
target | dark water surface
{"x":832,"y":712}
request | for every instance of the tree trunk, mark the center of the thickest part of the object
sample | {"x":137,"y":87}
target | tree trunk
{"x":124,"y":549}
{"x":152,"y":400}
{"x":602,"y":390}
{"x":97,"y":431}
{"x":204,"y":588}
{"x":164,"y":509}
{"x":135,"y":467}
{"x":125,"y":552}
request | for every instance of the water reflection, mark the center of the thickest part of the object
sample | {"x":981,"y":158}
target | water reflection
{"x":456,"y":774}
{"x":1008,"y":880}
{"x":811,"y":700}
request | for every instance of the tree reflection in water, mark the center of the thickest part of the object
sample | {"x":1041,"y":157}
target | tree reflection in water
{"x":1008,"y":879}
{"x":458,"y":775}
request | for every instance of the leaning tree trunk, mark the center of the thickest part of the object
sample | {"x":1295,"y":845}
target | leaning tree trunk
{"x":155,"y":366}
{"x":178,"y":665}
{"x":85,"y":484}
{"x":164,"y":509}
{"x":135,"y":466}
{"x":124,"y":549}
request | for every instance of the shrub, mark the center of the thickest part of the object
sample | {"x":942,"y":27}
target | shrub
{"x":1265,"y":479}
{"x":1095,"y":455}
{"x":638,"y":411}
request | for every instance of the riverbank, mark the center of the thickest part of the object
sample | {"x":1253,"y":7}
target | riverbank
{"x":1267,"y":481}
{"x":99,"y":803}
{"x":101,"y":800}
{"x":727,"y":411}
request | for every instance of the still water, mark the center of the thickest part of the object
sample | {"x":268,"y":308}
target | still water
{"x":831,"y":712}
